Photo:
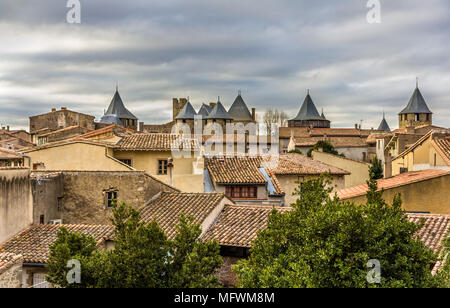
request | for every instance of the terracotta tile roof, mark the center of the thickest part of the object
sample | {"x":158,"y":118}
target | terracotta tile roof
{"x":155,"y":142}
{"x":297,"y":164}
{"x":105,"y":130}
{"x":7,"y":260}
{"x":238,"y":225}
{"x":235,"y":170}
{"x":167,"y":207}
{"x":436,"y":228}
{"x":442,"y":146}
{"x":33,"y":243}
{"x":8,"y":154}
{"x":395,"y":181}
{"x":13,"y":167}
{"x":285,"y":132}
{"x":337,"y":142}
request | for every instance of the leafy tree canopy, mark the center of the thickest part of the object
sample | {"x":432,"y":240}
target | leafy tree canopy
{"x":324,"y":242}
{"x":143,"y":256}
{"x":325,"y":146}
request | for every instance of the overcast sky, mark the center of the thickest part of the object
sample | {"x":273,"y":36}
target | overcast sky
{"x":272,"y":50}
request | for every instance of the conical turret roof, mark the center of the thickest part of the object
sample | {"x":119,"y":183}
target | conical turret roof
{"x":205,"y":110}
{"x":416,"y":104}
{"x":219,"y":112}
{"x":118,"y":108}
{"x":308,"y":111}
{"x":187,"y":113}
{"x":239,"y":111}
{"x":384,"y":125}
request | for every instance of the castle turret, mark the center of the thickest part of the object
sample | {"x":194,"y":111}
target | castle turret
{"x":416,"y":112}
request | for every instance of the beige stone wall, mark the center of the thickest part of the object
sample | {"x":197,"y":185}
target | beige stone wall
{"x":425,"y":196}
{"x":84,"y":194}
{"x":11,"y":277}
{"x":187,"y":172}
{"x":289,"y":184}
{"x":16,"y":207}
{"x":76,"y":156}
{"x":359,"y":170}
{"x":411,"y":121}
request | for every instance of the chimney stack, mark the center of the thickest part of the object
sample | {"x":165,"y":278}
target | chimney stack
{"x":254,"y":114}
{"x":53,"y":109}
{"x":356,"y":126}
{"x":63,"y":108}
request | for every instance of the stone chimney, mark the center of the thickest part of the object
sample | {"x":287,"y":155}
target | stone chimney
{"x":53,"y":109}
{"x":212,"y":104}
{"x":63,"y":108}
{"x":254,"y":114}
{"x":141,"y":126}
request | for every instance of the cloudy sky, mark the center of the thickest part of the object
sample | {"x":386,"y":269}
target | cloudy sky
{"x":272,"y":50}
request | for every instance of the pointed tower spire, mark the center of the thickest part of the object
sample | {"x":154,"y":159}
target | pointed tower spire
{"x":417,"y":82}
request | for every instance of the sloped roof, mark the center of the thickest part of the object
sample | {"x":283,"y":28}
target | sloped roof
{"x":416,"y":104}
{"x":239,"y":111}
{"x":167,"y":207}
{"x":297,"y":164}
{"x":205,"y":110}
{"x":219,"y":112}
{"x":235,"y":170}
{"x":9,"y":154}
{"x":395,"y":181}
{"x":33,"y":242}
{"x":308,"y":111}
{"x":384,"y":125}
{"x":155,"y":142}
{"x":7,"y":260}
{"x":442,"y":146}
{"x":238,"y":225}
{"x":111,"y":119}
{"x":187,"y":113}
{"x":118,"y":108}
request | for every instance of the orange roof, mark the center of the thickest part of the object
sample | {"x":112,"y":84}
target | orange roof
{"x":8,"y":154}
{"x":442,"y":146}
{"x":395,"y":181}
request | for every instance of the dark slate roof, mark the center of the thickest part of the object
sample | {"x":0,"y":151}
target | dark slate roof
{"x":110,"y":119}
{"x":323,"y":116}
{"x":187,"y":113}
{"x":239,"y":111}
{"x":117,"y":107}
{"x":416,"y":104}
{"x":384,"y":125}
{"x":219,"y":112}
{"x":205,"y":110}
{"x":308,"y":111}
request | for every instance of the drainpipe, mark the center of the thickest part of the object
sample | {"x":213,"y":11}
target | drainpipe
{"x":170,"y":167}
{"x":29,"y":160}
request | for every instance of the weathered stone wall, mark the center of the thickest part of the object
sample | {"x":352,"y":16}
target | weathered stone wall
{"x":16,"y":207}
{"x":11,"y":277}
{"x":58,"y":119}
{"x":47,"y":188}
{"x":84,"y":192}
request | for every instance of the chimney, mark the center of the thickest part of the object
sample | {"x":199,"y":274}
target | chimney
{"x":141,"y":126}
{"x":7,"y":128}
{"x":63,"y":108}
{"x":53,"y":109}
{"x":177,"y":105}
{"x":254,"y":114}
{"x":356,"y":126}
{"x":212,"y":104}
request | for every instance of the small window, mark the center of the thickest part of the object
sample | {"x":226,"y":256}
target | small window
{"x":403,"y":170}
{"x":241,"y":191}
{"x":417,"y":117}
{"x":110,"y":198}
{"x":126,"y":161}
{"x":162,"y":166}
{"x":434,"y":163}
{"x":42,"y":219}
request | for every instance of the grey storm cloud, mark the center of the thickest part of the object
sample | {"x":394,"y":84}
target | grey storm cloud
{"x":272,"y":50}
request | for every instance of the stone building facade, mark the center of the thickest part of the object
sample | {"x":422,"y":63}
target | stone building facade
{"x":10,"y":270}
{"x":85,"y":197}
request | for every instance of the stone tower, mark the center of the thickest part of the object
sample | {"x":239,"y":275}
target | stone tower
{"x":416,"y":112}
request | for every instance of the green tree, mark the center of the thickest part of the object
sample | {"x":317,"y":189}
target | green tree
{"x":376,"y":169}
{"x":324,"y":242}
{"x":296,"y":151}
{"x":325,"y":146}
{"x":143,"y":256}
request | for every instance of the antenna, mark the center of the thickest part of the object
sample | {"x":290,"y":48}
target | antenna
{"x":218,"y":99}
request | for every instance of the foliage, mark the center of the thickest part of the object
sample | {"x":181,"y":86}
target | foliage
{"x":376,"y":169}
{"x":297,"y":151}
{"x":324,"y":242}
{"x":143,"y":256}
{"x":325,"y":146}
